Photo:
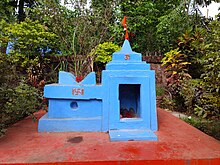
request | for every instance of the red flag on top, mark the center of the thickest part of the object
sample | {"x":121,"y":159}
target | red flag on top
{"x":123,"y":22}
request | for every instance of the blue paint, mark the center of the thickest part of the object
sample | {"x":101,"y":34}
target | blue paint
{"x":130,"y":135}
{"x":82,"y":108}
{"x":89,"y":79}
{"x":47,"y":124}
{"x":66,"y":78}
{"x":10,"y":47}
{"x":124,"y":105}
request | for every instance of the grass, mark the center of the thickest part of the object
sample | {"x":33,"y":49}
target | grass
{"x":210,"y":127}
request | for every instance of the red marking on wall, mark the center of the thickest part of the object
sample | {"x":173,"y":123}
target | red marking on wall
{"x":78,"y":91}
{"x":127,"y":57}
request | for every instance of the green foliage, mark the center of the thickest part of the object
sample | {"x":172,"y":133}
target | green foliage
{"x":175,"y":66}
{"x":78,"y":31}
{"x":19,"y":102}
{"x":29,"y":38}
{"x":7,"y":11}
{"x":22,"y":100}
{"x":201,"y":97}
{"x":191,"y":43}
{"x":103,"y":52}
{"x":208,"y":106}
{"x":3,"y":38}
{"x":17,"y":99}
{"x":211,"y":60}
{"x":175,"y":70}
{"x":190,"y":91}
{"x":209,"y":127}
{"x":179,"y":64}
{"x":171,"y":26}
{"x":178,"y":21}
{"x":160,"y":91}
{"x":8,"y":72}
{"x":168,"y":103}
{"x":142,"y":20}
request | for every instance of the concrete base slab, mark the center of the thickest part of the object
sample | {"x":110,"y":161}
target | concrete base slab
{"x":178,"y":144}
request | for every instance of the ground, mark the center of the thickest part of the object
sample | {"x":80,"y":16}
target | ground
{"x":179,"y":143}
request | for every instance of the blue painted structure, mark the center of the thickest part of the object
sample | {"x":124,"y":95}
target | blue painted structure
{"x":123,"y":105}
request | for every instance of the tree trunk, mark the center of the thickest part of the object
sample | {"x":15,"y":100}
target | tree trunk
{"x":21,"y":14}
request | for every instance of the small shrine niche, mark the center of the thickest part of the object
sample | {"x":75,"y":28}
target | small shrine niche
{"x":129,"y":97}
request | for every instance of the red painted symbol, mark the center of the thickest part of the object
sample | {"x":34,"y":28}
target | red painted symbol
{"x":78,"y":91}
{"x":127,"y":57}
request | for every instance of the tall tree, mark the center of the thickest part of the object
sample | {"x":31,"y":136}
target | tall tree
{"x":143,"y":17}
{"x":79,"y":30}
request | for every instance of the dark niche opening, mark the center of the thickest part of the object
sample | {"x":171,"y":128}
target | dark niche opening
{"x":129,"y":98}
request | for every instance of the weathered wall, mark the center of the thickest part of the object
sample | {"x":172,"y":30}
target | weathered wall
{"x":160,"y":76}
{"x":155,"y":63}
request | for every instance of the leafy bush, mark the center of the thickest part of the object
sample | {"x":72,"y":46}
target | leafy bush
{"x":171,"y":26}
{"x":160,"y":91}
{"x":190,"y":91}
{"x":175,"y":65}
{"x":198,"y":101}
{"x":31,"y":44}
{"x":19,"y":102}
{"x":176,"y":70}
{"x":191,"y":43}
{"x":180,"y":64}
{"x":30,"y":41}
{"x":211,"y":60}
{"x":17,"y":99}
{"x":9,"y":76}
{"x":208,"y":106}
{"x":5,"y":11}
{"x":143,"y":19}
{"x":168,"y":103}
{"x":103,"y":52}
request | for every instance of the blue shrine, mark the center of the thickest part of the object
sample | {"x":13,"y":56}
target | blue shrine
{"x":123,"y":105}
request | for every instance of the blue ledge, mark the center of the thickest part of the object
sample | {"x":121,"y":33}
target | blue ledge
{"x":130,"y":135}
{"x":46,"y":124}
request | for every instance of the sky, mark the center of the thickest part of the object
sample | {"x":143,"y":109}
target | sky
{"x":212,"y":9}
